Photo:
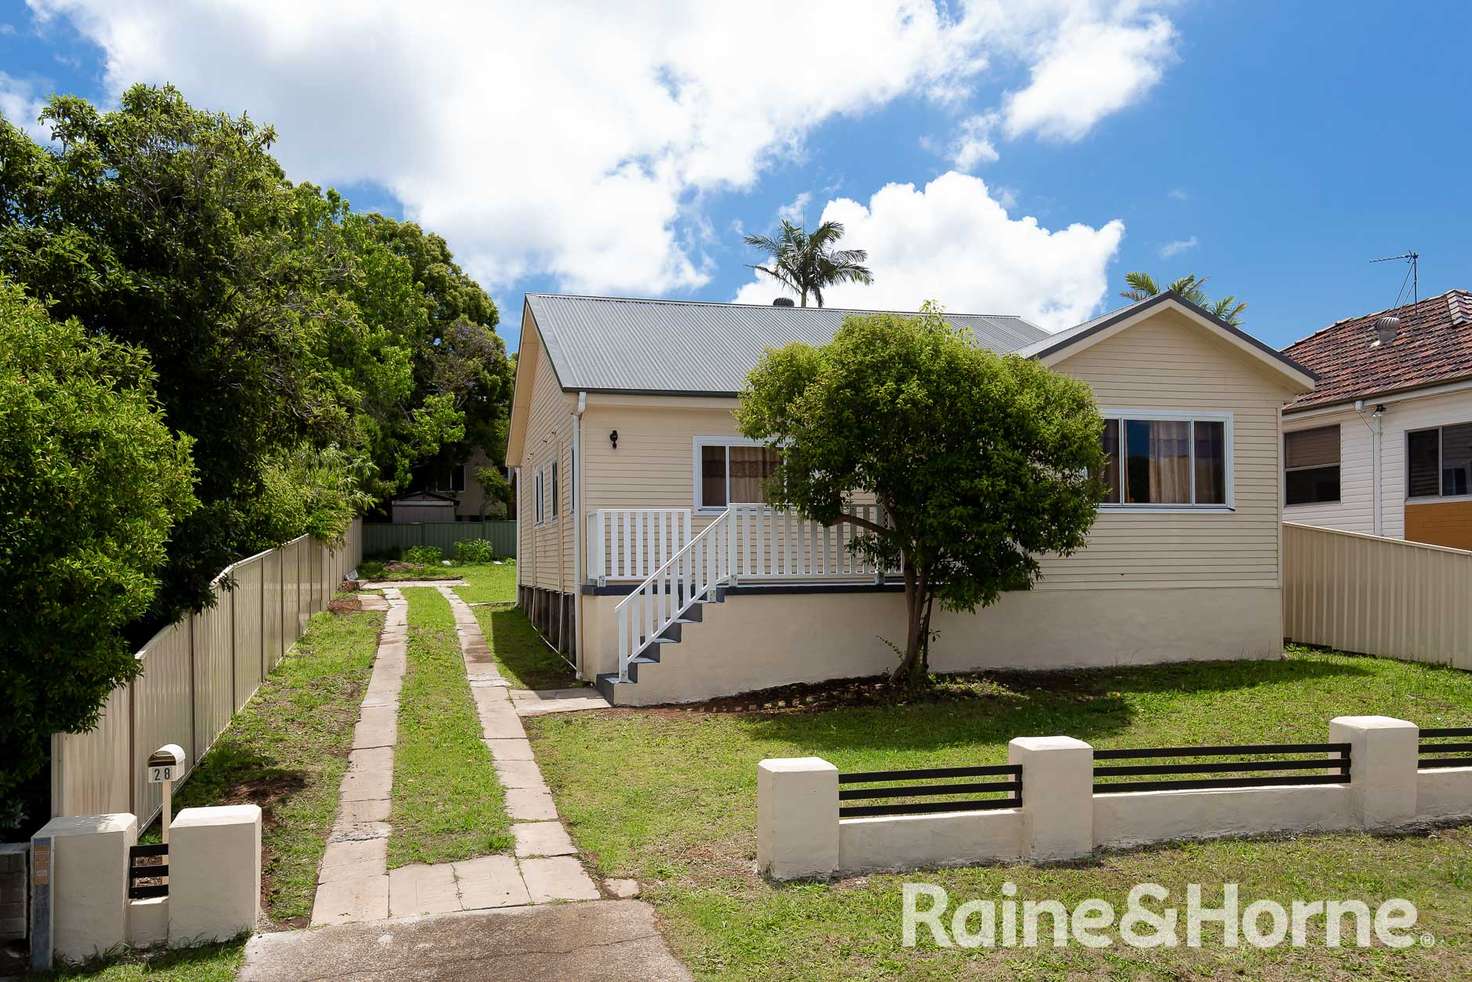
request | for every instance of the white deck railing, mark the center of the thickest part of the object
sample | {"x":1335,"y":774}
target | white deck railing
{"x":764,"y":543}
{"x":631,"y":543}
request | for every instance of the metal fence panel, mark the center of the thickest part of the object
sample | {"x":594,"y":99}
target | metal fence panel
{"x":385,"y":539}
{"x":1377,"y":596}
{"x":196,"y":674}
{"x":271,"y":608}
{"x":163,"y":711}
{"x":246,"y":622}
{"x":90,"y":772}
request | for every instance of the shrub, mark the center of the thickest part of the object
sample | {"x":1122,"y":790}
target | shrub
{"x":91,"y":483}
{"x":422,"y":555}
{"x":474,"y":551}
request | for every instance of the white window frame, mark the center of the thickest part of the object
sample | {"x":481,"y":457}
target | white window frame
{"x":697,"y":446}
{"x":1177,"y":416}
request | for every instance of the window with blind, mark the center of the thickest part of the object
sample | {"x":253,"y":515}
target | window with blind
{"x":1439,"y":462}
{"x":1311,"y":465}
{"x":733,"y":474}
{"x":1160,"y":461}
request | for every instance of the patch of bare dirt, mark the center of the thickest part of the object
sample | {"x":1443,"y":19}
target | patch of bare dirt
{"x":345,"y":606}
{"x":267,"y":792}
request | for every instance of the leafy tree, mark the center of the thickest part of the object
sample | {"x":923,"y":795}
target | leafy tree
{"x":313,"y":355}
{"x":807,"y":263}
{"x":1142,"y":286}
{"x":979,"y":462}
{"x":91,"y":484}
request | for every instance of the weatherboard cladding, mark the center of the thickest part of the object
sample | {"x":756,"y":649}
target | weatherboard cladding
{"x":603,"y":344}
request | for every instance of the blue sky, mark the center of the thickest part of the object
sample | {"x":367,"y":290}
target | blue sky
{"x":1280,"y":147}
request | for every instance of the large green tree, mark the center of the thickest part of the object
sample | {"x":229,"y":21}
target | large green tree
{"x":980,"y":463}
{"x":807,"y":262}
{"x":313,"y":355}
{"x":91,"y":484}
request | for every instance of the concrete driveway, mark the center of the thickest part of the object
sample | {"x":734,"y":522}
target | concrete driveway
{"x":600,"y":939}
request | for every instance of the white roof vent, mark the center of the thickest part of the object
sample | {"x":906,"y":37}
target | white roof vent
{"x":1386,"y":329}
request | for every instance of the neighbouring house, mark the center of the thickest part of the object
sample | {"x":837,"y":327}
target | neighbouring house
{"x":1383,"y":443}
{"x":442,"y":492}
{"x":646,"y":553}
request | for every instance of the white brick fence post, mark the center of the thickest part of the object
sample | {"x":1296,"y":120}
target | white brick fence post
{"x":1057,"y":796}
{"x":214,"y":873}
{"x":796,"y":818}
{"x":1383,"y":758}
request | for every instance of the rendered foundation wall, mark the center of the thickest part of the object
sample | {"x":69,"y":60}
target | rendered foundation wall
{"x":756,"y":641}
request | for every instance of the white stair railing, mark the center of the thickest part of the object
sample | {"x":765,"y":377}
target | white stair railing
{"x":688,"y":577}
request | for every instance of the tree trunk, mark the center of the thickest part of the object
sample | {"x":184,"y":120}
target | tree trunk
{"x":913,"y":670}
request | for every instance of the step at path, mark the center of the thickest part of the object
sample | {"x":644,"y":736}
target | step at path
{"x":354,"y":883}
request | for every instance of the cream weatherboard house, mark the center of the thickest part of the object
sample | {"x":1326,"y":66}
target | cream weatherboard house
{"x":646,"y":554}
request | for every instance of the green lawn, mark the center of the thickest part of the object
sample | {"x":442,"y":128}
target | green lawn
{"x":447,"y":802}
{"x":670,"y":799}
{"x":287,"y":751}
{"x":488,"y":582}
{"x":207,"y":963}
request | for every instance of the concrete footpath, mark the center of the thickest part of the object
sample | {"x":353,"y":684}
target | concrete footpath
{"x":601,"y":939}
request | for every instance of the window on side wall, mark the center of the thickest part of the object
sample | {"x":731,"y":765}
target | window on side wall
{"x":1166,"y":461}
{"x":457,"y":478}
{"x":732,"y":473}
{"x":1311,"y":465}
{"x":537,"y":497}
{"x":1439,"y":462}
{"x":555,"y":498}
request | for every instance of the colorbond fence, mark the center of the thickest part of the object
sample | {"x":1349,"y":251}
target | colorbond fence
{"x":197,"y":674}
{"x":390,"y":539}
{"x":1377,"y":596}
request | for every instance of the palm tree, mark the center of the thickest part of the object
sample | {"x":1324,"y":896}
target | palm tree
{"x":1190,"y":287}
{"x":808,"y":264}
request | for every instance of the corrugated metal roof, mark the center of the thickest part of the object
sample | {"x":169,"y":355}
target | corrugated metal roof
{"x":610,"y":344}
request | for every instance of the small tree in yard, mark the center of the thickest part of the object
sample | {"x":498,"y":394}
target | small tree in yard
{"x":980,"y":462}
{"x":91,"y":483}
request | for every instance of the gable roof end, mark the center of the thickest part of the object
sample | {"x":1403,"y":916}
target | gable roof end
{"x":1090,"y":332}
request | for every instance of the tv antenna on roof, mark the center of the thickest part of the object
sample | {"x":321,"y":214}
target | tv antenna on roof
{"x":1413,"y":275}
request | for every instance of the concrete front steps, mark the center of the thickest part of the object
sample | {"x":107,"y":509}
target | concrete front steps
{"x":628,"y":693}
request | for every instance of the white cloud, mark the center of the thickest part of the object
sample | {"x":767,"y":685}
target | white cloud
{"x":1177,"y":194}
{"x":973,"y":145}
{"x":1090,"y":68}
{"x":581,"y":141}
{"x":954,"y":243}
{"x":1177,"y":247}
{"x":567,"y":139}
{"x":20,"y":105}
{"x":795,"y":211}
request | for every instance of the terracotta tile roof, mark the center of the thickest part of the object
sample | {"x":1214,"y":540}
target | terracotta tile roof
{"x":1433,"y":345}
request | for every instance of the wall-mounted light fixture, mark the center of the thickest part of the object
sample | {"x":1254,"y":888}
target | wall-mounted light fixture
{"x":613,"y":439}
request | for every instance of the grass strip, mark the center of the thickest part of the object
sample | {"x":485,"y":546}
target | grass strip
{"x":524,"y":658}
{"x":679,"y":815}
{"x":447,"y":803}
{"x":287,"y":750}
{"x":206,"y":963}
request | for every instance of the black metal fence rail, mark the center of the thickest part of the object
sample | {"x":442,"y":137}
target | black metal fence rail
{"x":148,"y":862}
{"x":920,"y":784}
{"x":1264,"y":772}
{"x":1434,"y":747}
